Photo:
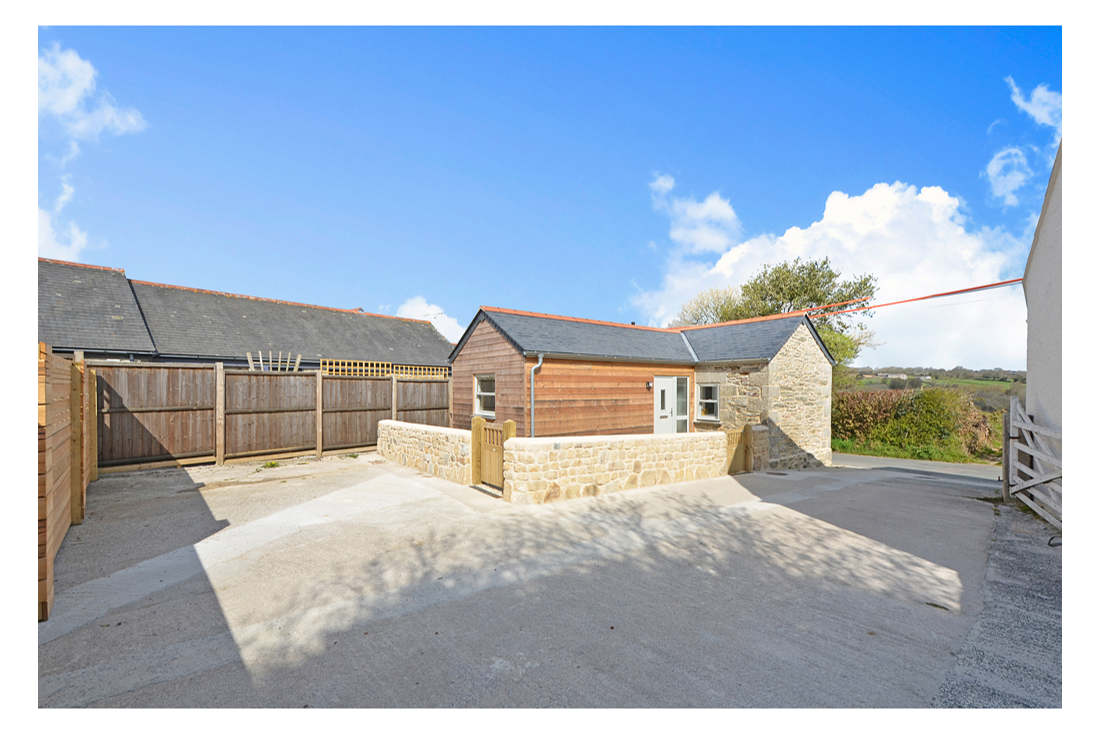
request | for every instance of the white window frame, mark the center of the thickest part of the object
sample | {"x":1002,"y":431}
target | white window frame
{"x":478,"y":393}
{"x":699,"y":414}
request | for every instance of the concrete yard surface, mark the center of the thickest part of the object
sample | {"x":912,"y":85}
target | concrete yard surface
{"x":354,"y":582}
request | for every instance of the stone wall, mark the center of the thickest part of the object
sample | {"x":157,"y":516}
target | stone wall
{"x":799,"y":404}
{"x":441,"y":452}
{"x":741,"y":395}
{"x":538,"y":470}
{"x":791,"y":396}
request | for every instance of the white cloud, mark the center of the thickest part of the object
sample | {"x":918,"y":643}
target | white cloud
{"x":65,"y":196}
{"x":1044,"y":106}
{"x":661,"y":184}
{"x":66,"y":91}
{"x":710,"y":225}
{"x":65,"y":245}
{"x":1007,"y":171}
{"x":917,"y":241}
{"x":418,"y":307}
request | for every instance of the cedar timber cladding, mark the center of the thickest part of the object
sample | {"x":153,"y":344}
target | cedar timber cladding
{"x":580,"y":397}
{"x":488,"y":351}
{"x":599,"y":377}
{"x":54,"y":462}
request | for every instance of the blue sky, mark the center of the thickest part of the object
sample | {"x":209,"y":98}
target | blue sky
{"x":605,"y":173}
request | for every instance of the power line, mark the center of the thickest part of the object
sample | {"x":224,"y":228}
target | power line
{"x":972,"y":289}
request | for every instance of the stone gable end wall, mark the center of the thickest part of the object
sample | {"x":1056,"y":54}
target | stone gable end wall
{"x":799,"y":404}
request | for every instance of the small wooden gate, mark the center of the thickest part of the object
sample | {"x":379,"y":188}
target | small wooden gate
{"x":492,"y":455}
{"x":1032,"y":471}
{"x":487,"y":451}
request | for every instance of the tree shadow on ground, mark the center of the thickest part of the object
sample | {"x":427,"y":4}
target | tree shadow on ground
{"x":748,"y":605}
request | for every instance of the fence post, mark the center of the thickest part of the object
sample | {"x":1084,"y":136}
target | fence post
{"x":320,"y":413}
{"x":93,"y":422}
{"x":219,"y":413}
{"x":76,"y":443}
{"x":1006,"y":448}
{"x":393,"y":396}
{"x":476,"y":434}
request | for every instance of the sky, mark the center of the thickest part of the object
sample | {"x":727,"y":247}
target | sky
{"x":595,"y":172}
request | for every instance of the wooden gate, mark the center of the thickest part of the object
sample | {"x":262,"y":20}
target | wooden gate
{"x":487,"y":451}
{"x":492,"y":455}
{"x":1032,"y":470}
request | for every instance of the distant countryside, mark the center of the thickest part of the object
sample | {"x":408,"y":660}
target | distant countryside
{"x":924,"y":413}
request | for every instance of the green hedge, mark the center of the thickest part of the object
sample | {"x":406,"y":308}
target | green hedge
{"x":936,"y":423}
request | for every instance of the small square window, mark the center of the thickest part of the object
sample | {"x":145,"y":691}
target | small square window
{"x":707,"y":403}
{"x":485,"y":396}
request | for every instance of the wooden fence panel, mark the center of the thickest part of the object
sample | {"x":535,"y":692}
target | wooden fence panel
{"x":423,"y":401}
{"x":269,"y":412}
{"x":54,"y":462}
{"x":153,"y":412}
{"x":163,"y":412}
{"x":353,"y":406}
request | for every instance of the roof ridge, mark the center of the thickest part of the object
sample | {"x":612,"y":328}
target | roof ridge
{"x":769,"y":317}
{"x":356,"y":311}
{"x":516,"y":312}
{"x":81,"y":265}
{"x":666,"y":329}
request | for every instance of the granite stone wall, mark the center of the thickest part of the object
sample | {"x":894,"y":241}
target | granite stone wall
{"x":791,"y":395}
{"x":799,"y":404}
{"x":538,"y":470}
{"x":441,"y":452}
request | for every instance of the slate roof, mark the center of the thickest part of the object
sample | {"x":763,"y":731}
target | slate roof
{"x":560,"y":336}
{"x":749,"y":340}
{"x":98,"y":309}
{"x":190,"y":322}
{"x":90,"y":308}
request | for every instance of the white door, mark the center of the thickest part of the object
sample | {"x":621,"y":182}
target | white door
{"x":670,"y":404}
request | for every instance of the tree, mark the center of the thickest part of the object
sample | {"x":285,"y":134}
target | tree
{"x":795,"y":285}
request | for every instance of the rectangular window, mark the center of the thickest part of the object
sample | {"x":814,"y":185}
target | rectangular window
{"x":707,"y":409}
{"x":485,"y":396}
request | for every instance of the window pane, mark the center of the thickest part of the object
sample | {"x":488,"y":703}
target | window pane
{"x":662,"y":399}
{"x":709,"y":409}
{"x":488,"y":403}
{"x":682,"y":425}
{"x":708,"y":392}
{"x":486,"y":384}
{"x":681,"y":396}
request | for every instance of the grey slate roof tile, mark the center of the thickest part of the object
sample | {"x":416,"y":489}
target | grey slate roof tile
{"x":560,"y":336}
{"x":98,"y":309}
{"x":88,"y":308}
{"x":188,"y":322}
{"x":750,"y":340}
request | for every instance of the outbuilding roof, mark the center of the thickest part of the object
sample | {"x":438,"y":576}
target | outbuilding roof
{"x":564,"y":336}
{"x":89,"y":307}
{"x":179,"y":322}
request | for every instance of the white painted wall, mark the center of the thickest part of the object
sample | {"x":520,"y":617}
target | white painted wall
{"x":1043,"y":292}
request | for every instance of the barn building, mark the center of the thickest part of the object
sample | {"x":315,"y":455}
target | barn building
{"x":102,"y":313}
{"x":563,"y":376}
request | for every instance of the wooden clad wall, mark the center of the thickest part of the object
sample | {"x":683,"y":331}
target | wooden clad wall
{"x":488,"y":351}
{"x":579,"y":397}
{"x":54,"y":461}
{"x":353,"y":406}
{"x":423,"y":401}
{"x":269,"y":412}
{"x":152,"y":412}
